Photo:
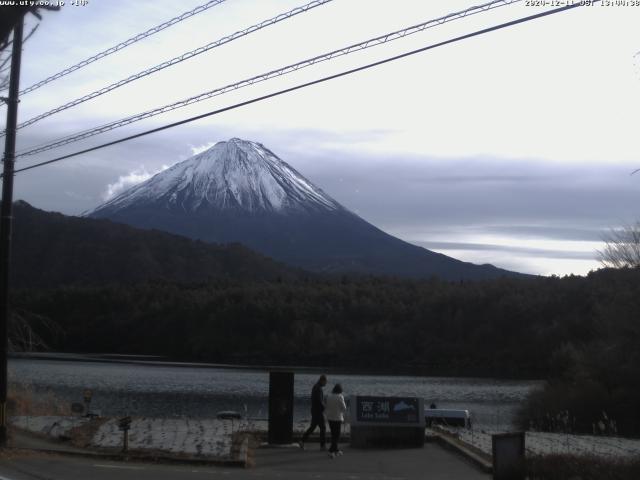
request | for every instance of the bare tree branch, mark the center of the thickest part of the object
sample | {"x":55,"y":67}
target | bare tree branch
{"x":23,"y":331}
{"x":5,"y":61}
{"x":10,"y":15}
{"x":33,"y":30}
{"x":4,"y":84}
{"x":5,"y":45}
{"x":4,"y":78}
{"x":622,"y":247}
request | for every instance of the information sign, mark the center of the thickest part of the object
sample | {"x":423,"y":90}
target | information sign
{"x":389,"y":410}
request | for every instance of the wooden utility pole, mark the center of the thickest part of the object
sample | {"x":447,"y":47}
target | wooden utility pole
{"x":5,"y":221}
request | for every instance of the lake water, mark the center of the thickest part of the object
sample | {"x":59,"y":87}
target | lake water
{"x":168,"y":391}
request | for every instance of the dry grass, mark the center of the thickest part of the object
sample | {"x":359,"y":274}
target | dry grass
{"x":25,"y":400}
{"x":13,"y":454}
{"x":573,"y":467}
{"x":252,"y":439}
{"x":82,"y":435}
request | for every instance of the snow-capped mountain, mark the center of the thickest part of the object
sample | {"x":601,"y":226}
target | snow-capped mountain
{"x":233,"y":175}
{"x":240,"y":191}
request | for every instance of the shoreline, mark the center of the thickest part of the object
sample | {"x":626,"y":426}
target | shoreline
{"x":159,"y":361}
{"x":214,"y":437}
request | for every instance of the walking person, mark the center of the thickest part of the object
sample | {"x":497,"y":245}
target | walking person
{"x":317,"y":413}
{"x":336,"y":408}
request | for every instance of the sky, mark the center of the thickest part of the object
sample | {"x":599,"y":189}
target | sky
{"x":513,"y":148}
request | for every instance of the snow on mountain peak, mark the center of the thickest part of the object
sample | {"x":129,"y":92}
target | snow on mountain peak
{"x":232,"y":175}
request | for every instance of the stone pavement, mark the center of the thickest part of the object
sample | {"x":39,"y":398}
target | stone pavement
{"x":432,"y":462}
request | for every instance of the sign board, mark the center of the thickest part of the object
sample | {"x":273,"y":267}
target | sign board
{"x":124,"y":423}
{"x":396,"y":411}
{"x":87,"y":394}
{"x":78,"y":408}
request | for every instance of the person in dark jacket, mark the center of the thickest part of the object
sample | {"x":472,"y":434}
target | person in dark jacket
{"x":317,"y":413}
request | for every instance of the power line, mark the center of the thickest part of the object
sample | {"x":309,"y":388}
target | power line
{"x":176,"y":60}
{"x":308,"y":84}
{"x":120,"y":46}
{"x":271,"y":74}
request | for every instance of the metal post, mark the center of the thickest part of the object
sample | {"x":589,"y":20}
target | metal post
{"x":125,"y":425}
{"x":5,"y":221}
{"x":125,"y":441}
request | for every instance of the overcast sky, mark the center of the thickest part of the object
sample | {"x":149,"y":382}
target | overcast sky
{"x":514,"y":148}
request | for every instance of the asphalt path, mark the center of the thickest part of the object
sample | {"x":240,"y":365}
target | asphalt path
{"x":432,"y":462}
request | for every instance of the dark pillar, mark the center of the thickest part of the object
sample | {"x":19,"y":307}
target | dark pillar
{"x":280,"y":407}
{"x":508,"y":456}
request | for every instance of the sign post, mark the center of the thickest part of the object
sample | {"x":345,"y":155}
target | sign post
{"x":87,"y":395}
{"x":125,"y":425}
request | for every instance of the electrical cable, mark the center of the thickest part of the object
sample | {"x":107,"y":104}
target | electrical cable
{"x":268,"y":75}
{"x":308,"y":84}
{"x":120,"y":46}
{"x":176,"y":60}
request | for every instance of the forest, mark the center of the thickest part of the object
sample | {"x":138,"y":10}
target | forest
{"x":580,"y":333}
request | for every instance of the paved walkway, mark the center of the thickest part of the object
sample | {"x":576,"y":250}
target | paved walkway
{"x":432,"y":461}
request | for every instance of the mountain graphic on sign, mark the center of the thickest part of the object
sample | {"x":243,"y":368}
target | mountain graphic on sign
{"x":402,"y":406}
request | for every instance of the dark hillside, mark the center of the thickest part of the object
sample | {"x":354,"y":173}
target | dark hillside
{"x":51,"y":249}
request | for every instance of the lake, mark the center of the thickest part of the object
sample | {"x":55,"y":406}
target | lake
{"x":158,"y":390}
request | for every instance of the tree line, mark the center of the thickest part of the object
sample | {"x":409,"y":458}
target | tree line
{"x":580,"y":333}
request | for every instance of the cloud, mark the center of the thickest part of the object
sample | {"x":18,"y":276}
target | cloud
{"x":525,"y":214}
{"x":201,"y":148}
{"x":520,"y":251}
{"x":77,"y":196}
{"x":553,"y":232}
{"x":134,"y":177}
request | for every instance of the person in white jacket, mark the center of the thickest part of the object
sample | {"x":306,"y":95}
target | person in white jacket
{"x":335,"y":408}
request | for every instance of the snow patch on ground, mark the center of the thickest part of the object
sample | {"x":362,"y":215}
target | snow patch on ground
{"x":210,"y":438}
{"x":51,"y":426}
{"x":544,"y":443}
{"x":207,"y":438}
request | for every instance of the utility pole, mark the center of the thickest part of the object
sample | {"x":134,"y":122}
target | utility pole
{"x":5,"y":221}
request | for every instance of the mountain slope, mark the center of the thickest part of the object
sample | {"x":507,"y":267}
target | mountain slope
{"x":239,"y":191}
{"x":51,"y":249}
{"x":233,"y":177}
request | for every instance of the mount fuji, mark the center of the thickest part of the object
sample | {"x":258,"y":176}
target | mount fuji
{"x":240,"y":191}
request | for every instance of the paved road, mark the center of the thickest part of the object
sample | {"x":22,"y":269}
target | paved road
{"x":432,"y":462}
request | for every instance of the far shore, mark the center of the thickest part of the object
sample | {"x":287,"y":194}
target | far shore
{"x":159,"y":361}
{"x":153,"y":361}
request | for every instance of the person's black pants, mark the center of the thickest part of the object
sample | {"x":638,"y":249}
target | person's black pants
{"x":316,"y":421}
{"x":335,"y":435}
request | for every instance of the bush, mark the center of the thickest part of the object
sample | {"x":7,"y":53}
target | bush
{"x":25,"y":400}
{"x":567,"y":408}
